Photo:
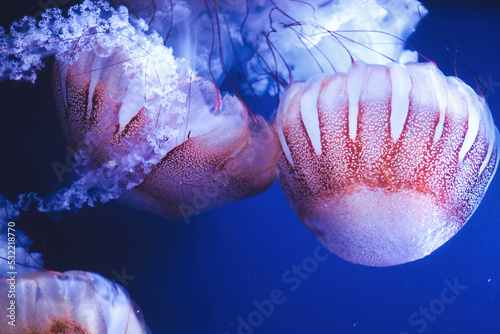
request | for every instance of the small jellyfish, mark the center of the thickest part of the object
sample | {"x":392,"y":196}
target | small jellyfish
{"x":36,"y":300}
{"x":69,"y":302}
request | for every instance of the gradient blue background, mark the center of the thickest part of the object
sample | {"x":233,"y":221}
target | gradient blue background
{"x":199,"y":278}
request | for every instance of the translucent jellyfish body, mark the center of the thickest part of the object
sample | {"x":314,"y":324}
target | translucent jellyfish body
{"x":37,"y":301}
{"x":70,"y":302}
{"x":385,"y":163}
{"x":145,"y":127}
{"x":186,"y":148}
{"x":266,"y":40}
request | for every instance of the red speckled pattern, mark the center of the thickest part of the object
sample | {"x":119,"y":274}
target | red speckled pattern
{"x":232,"y":157}
{"x":424,"y":192}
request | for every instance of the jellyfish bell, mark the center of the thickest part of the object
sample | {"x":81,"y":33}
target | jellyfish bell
{"x":384,"y":164}
{"x":145,"y":127}
{"x":203,"y":145}
{"x":69,"y":302}
{"x":37,"y":300}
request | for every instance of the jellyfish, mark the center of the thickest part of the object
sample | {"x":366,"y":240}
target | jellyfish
{"x":384,"y":164}
{"x":69,"y":302}
{"x":383,"y":159}
{"x":147,"y":129}
{"x":36,"y":300}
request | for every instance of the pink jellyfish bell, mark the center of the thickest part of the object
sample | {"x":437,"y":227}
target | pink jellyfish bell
{"x":69,"y":302}
{"x":37,"y":300}
{"x":134,"y":109}
{"x":146,"y":127}
{"x":186,"y":151}
{"x":384,"y":164}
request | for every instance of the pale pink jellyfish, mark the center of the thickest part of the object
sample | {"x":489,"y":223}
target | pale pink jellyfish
{"x":69,"y":302}
{"x":153,"y":124}
{"x":40,"y":301}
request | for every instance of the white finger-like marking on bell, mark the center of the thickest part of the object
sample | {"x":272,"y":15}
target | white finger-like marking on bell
{"x":355,"y":80}
{"x":400,"y":99}
{"x":309,"y":110}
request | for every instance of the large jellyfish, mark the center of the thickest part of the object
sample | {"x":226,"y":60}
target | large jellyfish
{"x":35,"y":300}
{"x":385,"y":163}
{"x":147,"y":129}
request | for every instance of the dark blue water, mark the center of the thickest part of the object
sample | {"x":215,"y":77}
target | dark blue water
{"x":213,"y":275}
